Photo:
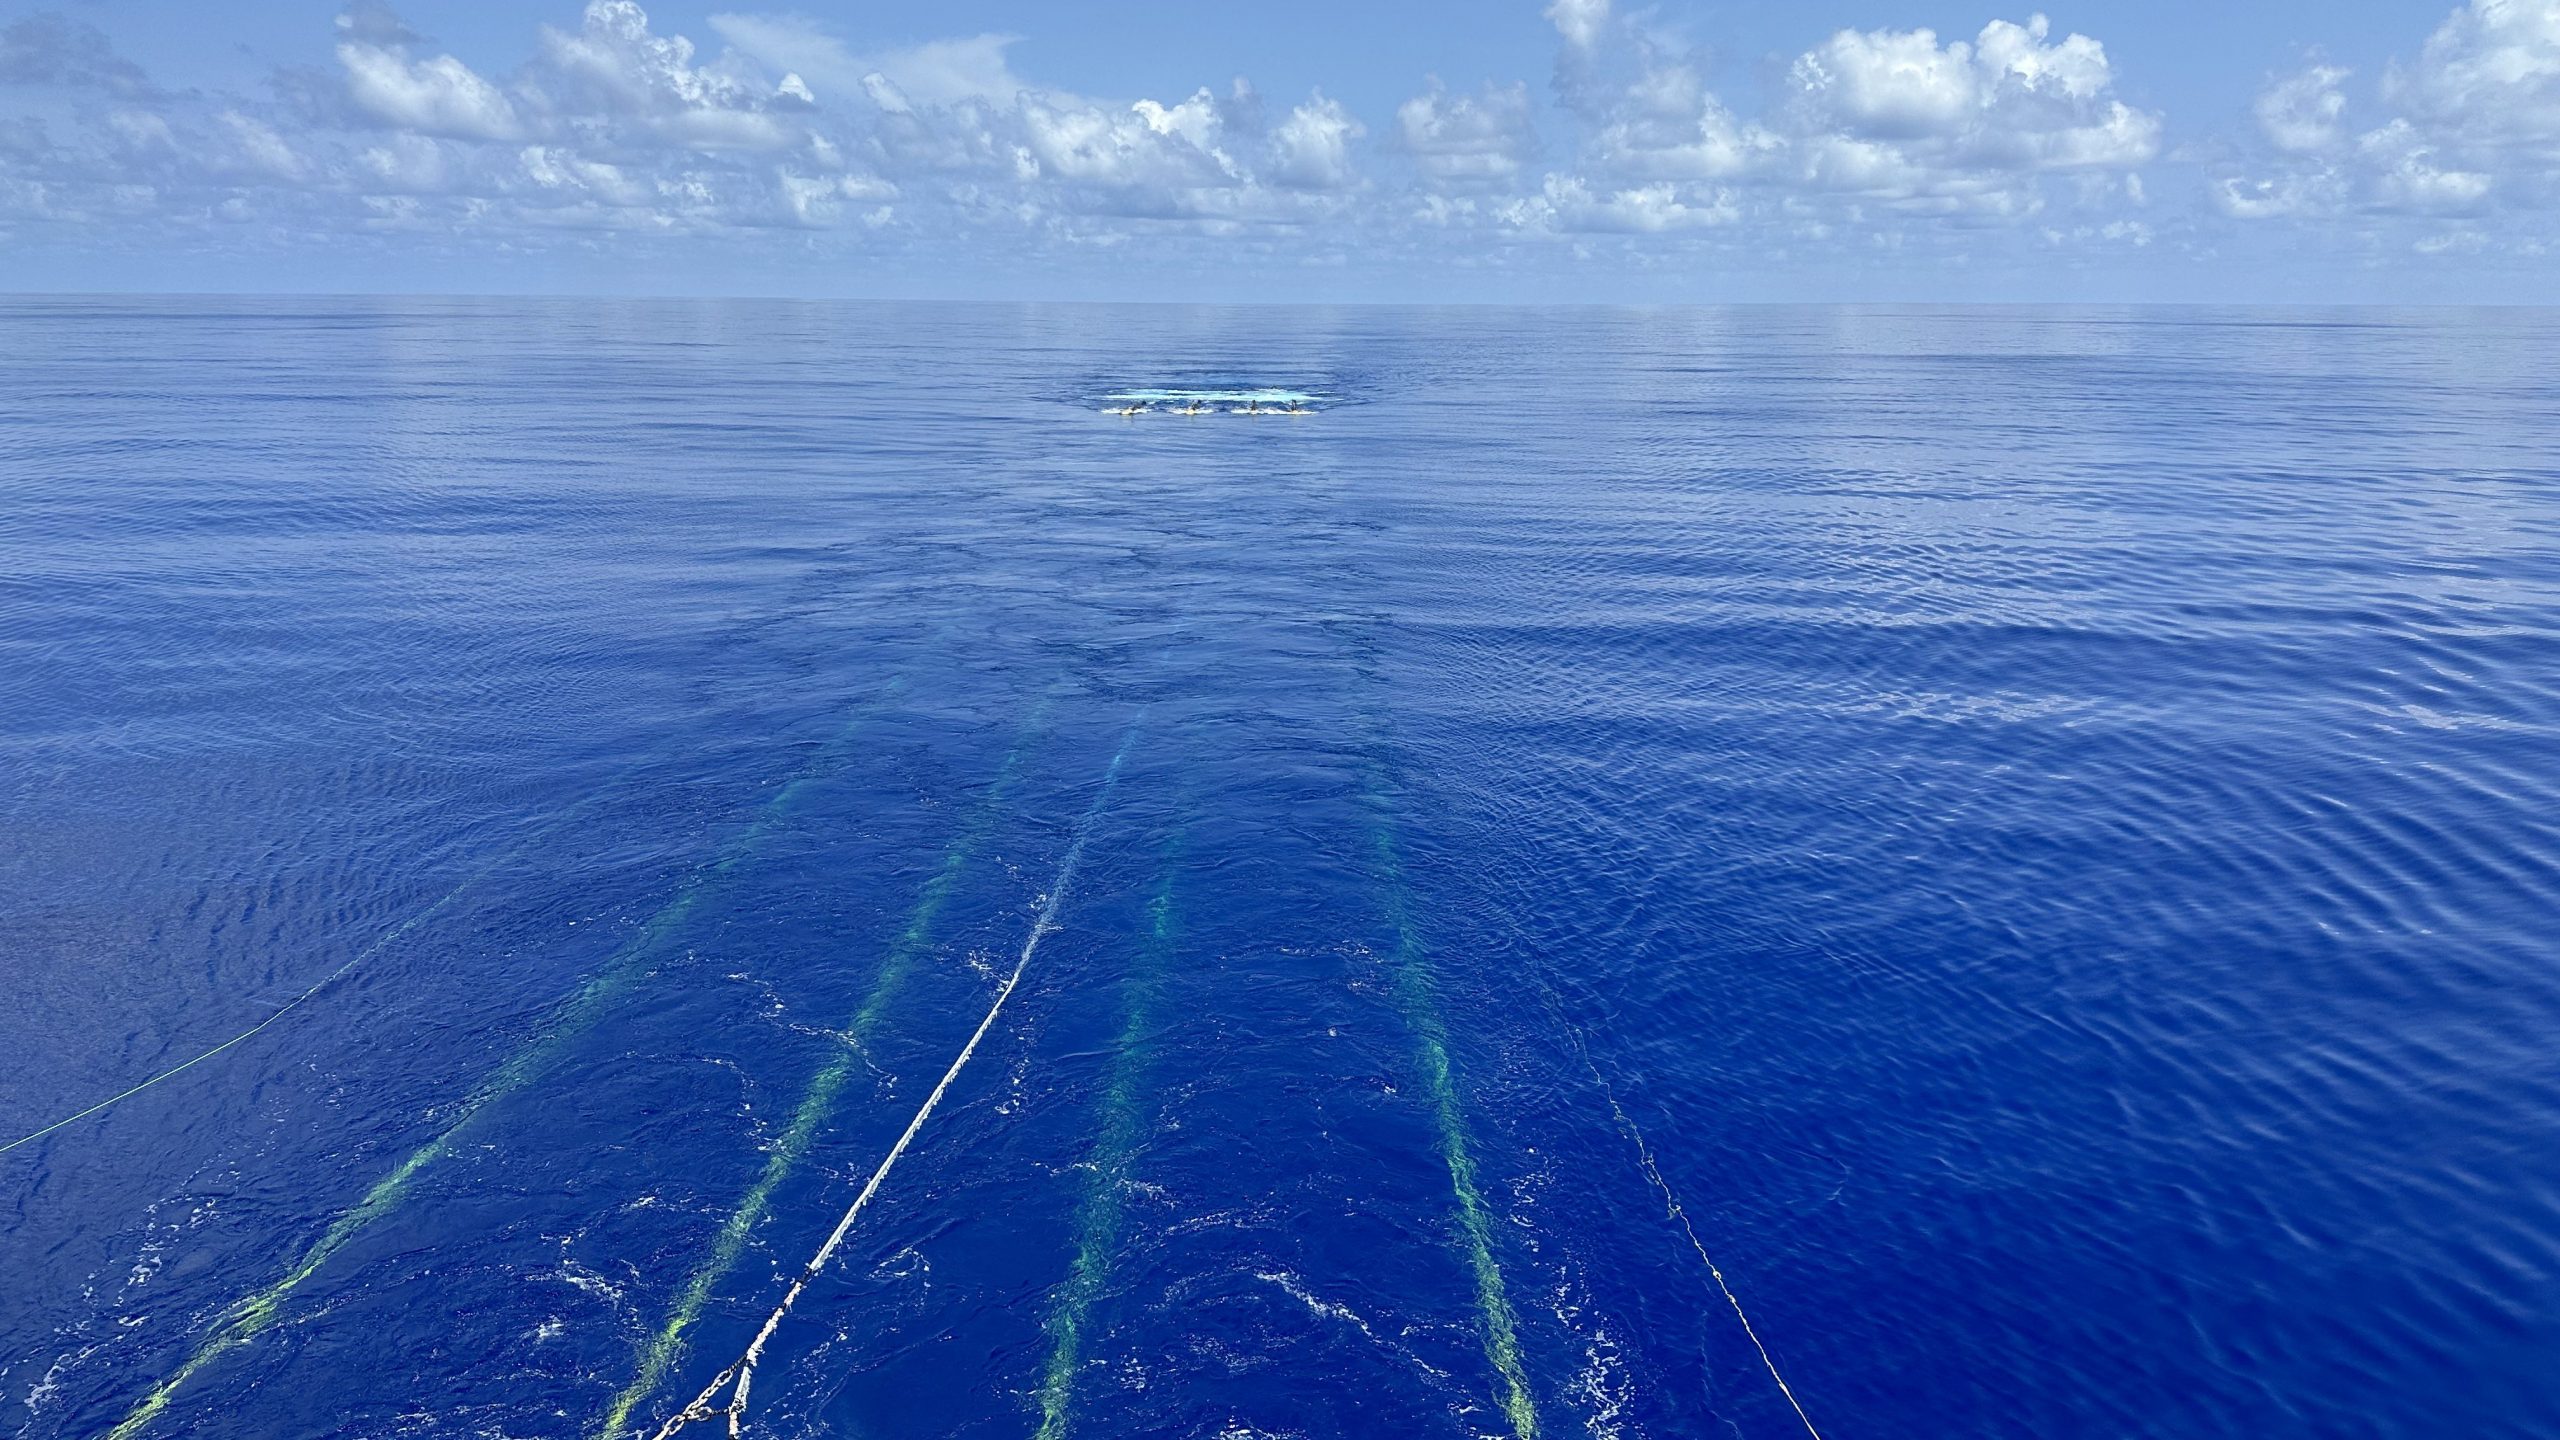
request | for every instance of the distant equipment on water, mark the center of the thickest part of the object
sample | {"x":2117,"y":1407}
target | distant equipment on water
{"x":1212,"y":402}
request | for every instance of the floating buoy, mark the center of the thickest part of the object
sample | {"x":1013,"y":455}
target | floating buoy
{"x":1266,"y":401}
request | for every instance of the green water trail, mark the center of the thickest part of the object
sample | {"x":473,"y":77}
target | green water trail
{"x":738,"y":1377}
{"x":252,"y":1315}
{"x":1410,"y":967}
{"x":659,"y":1353}
{"x":1098,"y":1214}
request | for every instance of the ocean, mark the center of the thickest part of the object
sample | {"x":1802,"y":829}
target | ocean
{"x":1615,"y":873}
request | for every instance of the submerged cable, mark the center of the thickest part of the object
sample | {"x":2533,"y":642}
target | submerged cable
{"x":666,"y":1345}
{"x":739,"y":1376}
{"x":253,"y":1314}
{"x":1498,"y":1323}
{"x":380,"y":943}
{"x":1098,"y":1216}
{"x":1674,"y":1210}
{"x":1501,"y":1343}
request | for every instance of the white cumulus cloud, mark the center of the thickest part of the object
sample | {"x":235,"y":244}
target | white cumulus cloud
{"x":2305,"y":113}
{"x":436,"y":96}
{"x":615,"y":68}
{"x":1570,"y":205}
{"x":949,"y":72}
{"x":2472,"y":125}
{"x":2411,"y":173}
{"x":2490,"y":75}
{"x":1312,"y":148}
{"x":1926,"y":119}
{"x":615,"y":124}
{"x":1897,"y":119}
{"x":1580,"y":22}
{"x":1468,"y":139}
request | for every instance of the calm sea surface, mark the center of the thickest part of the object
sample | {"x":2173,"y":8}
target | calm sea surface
{"x":2030,"y":837}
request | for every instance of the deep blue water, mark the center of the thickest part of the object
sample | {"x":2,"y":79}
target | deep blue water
{"x":2046,"y":824}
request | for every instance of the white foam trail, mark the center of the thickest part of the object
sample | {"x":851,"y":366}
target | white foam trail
{"x":741,"y":1374}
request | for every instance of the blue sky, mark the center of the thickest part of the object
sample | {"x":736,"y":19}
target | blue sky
{"x":1498,"y":150}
